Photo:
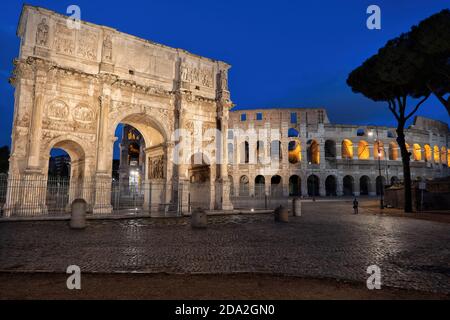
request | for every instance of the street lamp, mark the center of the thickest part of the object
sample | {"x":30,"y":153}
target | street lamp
{"x":379,"y":166}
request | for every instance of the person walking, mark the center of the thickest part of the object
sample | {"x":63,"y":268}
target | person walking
{"x":355,"y":206}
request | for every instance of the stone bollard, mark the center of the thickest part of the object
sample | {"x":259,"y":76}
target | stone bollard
{"x":199,"y":219}
{"x":297,"y":207}
{"x":281,"y":214}
{"x":78,"y":217}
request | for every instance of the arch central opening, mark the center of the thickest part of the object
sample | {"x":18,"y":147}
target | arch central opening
{"x":138,"y":165}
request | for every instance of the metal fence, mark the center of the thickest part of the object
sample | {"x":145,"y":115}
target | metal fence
{"x":260,"y":199}
{"x":40,"y":195}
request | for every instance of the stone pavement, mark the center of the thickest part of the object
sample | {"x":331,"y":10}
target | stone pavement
{"x":327,"y":241}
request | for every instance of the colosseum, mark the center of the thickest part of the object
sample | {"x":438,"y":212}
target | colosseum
{"x":314,"y":157}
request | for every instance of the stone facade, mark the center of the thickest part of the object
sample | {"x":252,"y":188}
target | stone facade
{"x":344,"y":158}
{"x":74,"y":86}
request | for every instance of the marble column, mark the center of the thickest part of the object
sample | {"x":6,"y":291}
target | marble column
{"x":225,"y":183}
{"x":103,"y":177}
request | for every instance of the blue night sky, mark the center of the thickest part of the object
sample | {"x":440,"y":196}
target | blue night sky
{"x":283,"y":53}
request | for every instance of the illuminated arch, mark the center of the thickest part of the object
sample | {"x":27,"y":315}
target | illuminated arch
{"x":427,"y":149}
{"x":417,"y":152}
{"x":393,"y":151}
{"x":295,"y":151}
{"x":444,"y":155}
{"x":313,"y":152}
{"x":363,"y":150}
{"x":436,"y":156}
{"x":347,"y":149}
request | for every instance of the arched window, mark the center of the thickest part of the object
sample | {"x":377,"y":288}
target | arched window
{"x":348,"y":185}
{"x":244,"y":152}
{"x":393,"y":151}
{"x":295,"y":151}
{"x":260,"y":185}
{"x":330,"y":149}
{"x":444,"y":155}
{"x":347,"y":149}
{"x":313,"y":152}
{"x":276,"y":187}
{"x":260,"y":151}
{"x":275,"y":150}
{"x":363,"y":150}
{"x":427,"y":149}
{"x":244,"y":186}
{"x":295,"y":186}
{"x":293,"y":133}
{"x":330,"y":186}
{"x":436,"y":154}
{"x":364,"y":185}
{"x":360,"y":132}
{"x":417,"y":152}
{"x":313,"y":185}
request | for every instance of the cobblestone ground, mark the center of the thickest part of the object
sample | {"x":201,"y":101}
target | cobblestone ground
{"x":324,"y":242}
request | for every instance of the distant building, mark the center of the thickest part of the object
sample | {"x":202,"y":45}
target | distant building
{"x":322,"y":158}
{"x":59,"y":166}
{"x":132,"y":157}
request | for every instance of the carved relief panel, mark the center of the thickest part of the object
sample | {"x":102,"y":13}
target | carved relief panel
{"x":197,"y":74}
{"x":87,"y":44}
{"x":156,"y":167}
{"x":58,"y":115}
{"x":82,"y":43}
{"x":64,"y":41}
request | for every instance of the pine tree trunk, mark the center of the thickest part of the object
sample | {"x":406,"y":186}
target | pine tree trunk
{"x":406,"y":168}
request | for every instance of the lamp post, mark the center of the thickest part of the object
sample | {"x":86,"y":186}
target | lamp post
{"x":313,"y":182}
{"x":379,"y":167}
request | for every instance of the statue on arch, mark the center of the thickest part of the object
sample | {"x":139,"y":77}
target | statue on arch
{"x":42,"y":33}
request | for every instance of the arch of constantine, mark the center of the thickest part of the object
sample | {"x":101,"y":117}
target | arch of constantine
{"x":73,"y":86}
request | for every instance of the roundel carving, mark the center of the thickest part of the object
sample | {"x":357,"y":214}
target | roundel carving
{"x":83,"y":113}
{"x":57,"y":110}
